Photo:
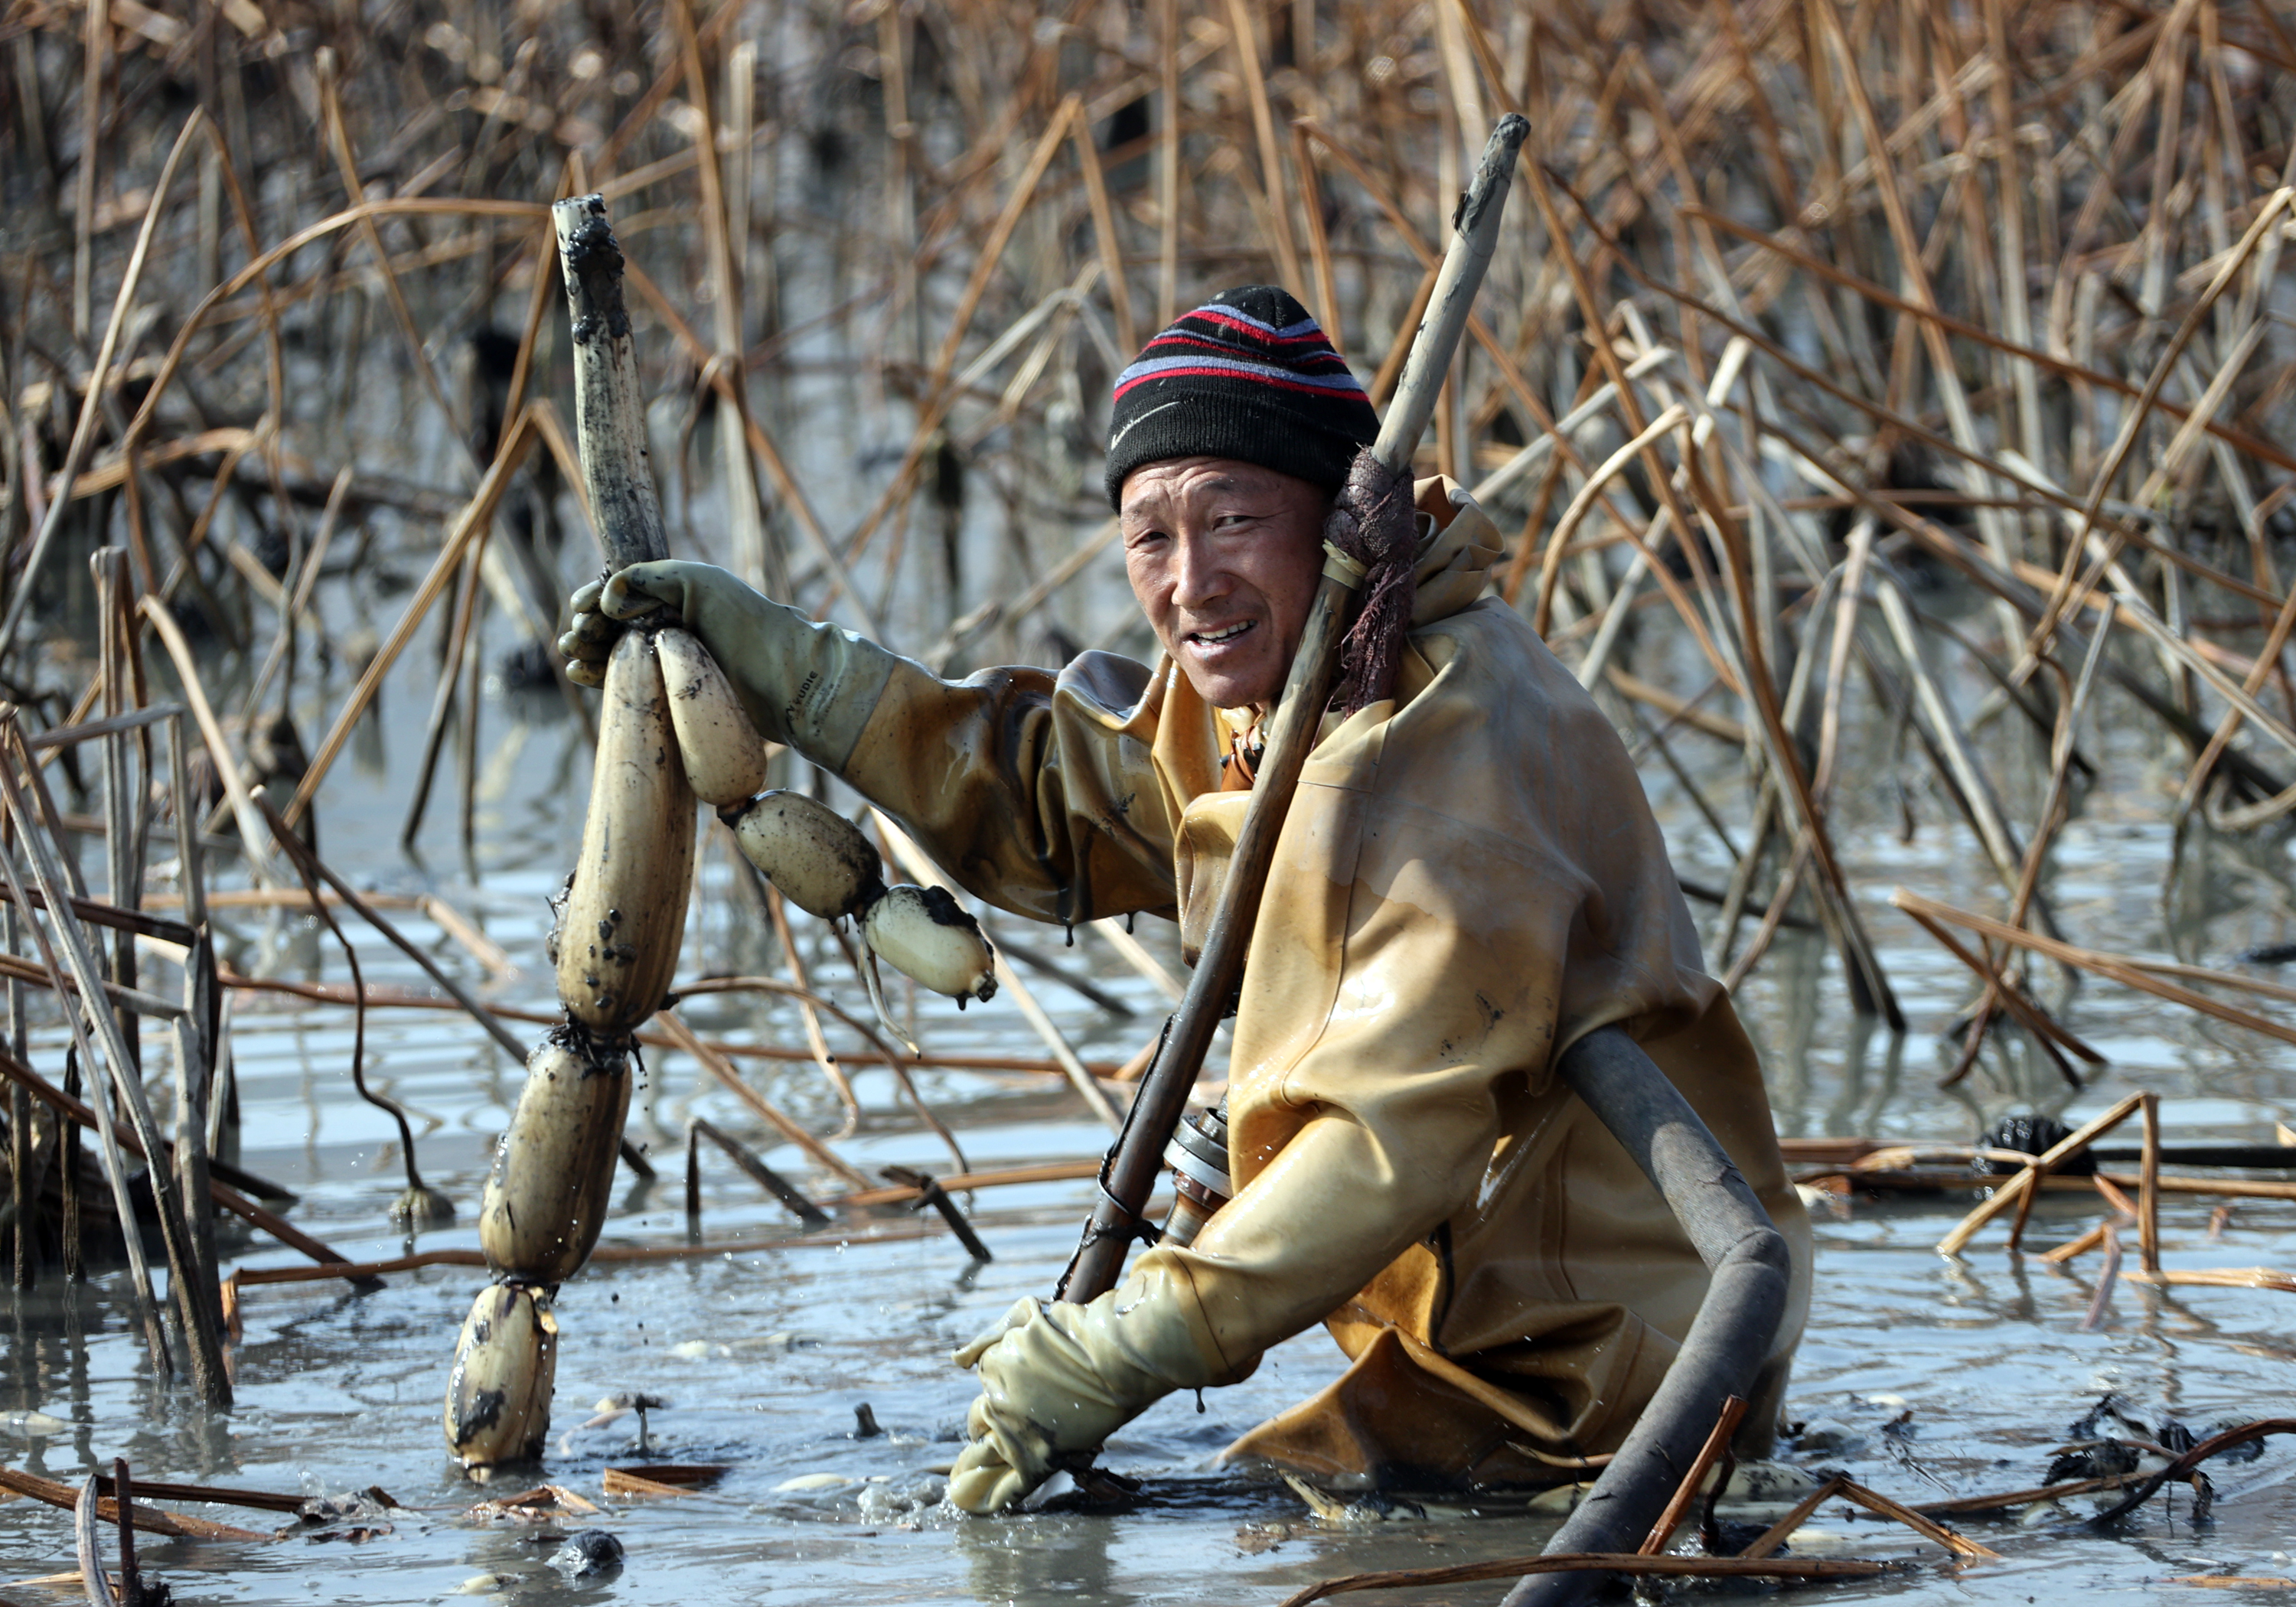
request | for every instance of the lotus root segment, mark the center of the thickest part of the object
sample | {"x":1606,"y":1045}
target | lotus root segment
{"x":925,"y":935}
{"x":818,"y":859}
{"x":498,"y":1394}
{"x":724,"y":756}
{"x":626,"y":914}
{"x":546,"y":1197}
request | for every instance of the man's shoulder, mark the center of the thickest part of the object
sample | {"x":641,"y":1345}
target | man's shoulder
{"x":1486,"y":656}
{"x":1108,"y":685}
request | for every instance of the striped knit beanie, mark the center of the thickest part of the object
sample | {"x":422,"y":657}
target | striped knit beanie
{"x":1248,"y":375}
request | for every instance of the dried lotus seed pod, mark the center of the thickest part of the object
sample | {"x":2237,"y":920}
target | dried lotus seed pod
{"x":925,"y":935}
{"x":546,"y":1196}
{"x":724,"y":756}
{"x":498,"y":1394}
{"x":819,"y":860}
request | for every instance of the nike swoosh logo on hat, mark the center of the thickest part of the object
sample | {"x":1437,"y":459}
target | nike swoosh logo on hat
{"x":1117,"y":439}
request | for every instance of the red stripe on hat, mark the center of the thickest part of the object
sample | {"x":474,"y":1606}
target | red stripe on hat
{"x":1325,"y":391}
{"x":1259,"y":332}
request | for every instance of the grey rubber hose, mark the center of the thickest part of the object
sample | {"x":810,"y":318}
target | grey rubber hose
{"x":1728,"y":1344}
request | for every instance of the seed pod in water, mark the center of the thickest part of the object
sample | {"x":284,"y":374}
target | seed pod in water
{"x":924,"y":934}
{"x":498,"y":1394}
{"x":818,"y":859}
{"x":421,"y":1206}
{"x":545,"y":1198}
{"x":626,"y":914}
{"x":725,"y":757}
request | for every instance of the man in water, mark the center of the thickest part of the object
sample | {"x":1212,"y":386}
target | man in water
{"x":1469,"y":881}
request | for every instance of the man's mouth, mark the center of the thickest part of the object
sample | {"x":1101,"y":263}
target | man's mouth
{"x":1227,"y":633}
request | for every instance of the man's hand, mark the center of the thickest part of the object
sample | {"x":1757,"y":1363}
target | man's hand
{"x":672,"y":591}
{"x":1056,"y":1381}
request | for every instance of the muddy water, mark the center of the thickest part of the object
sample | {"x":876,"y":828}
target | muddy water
{"x":1940,"y":1378}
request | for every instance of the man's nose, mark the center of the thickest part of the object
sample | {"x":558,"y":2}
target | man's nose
{"x":1200,"y":576}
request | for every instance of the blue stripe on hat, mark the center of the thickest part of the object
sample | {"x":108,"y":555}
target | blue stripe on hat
{"x":1150,"y":367}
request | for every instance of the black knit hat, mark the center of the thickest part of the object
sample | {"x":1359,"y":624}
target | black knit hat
{"x":1248,"y":375}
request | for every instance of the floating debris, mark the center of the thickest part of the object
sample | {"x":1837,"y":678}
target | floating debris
{"x":1371,"y":1508}
{"x":591,"y":1554}
{"x":1825,"y":1434}
{"x":354,"y":1518}
{"x":544,"y":1503}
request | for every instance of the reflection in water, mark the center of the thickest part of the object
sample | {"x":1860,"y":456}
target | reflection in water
{"x":1046,"y":1558}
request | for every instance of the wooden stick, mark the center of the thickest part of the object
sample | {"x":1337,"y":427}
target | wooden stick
{"x":780,"y":1187}
{"x":718,"y":1067}
{"x":2009,"y":1499}
{"x":1136,"y":956}
{"x":123,"y":1494}
{"x":2148,"y":1198}
{"x":1717,"y":1444}
{"x":2036,"y":1020}
{"x":2074,"y":1249}
{"x":262,"y":1501}
{"x":1263,"y":125}
{"x":2107,"y":1280}
{"x":1622,"y":1562}
{"x":86,"y":1537}
{"x":2216,"y":1277}
{"x":133,"y":1000}
{"x":151,"y":1520}
{"x":1873,"y":1501}
{"x":2114,"y":966}
{"x":1779,"y":1532}
{"x":84,"y":972}
{"x":1103,"y":228}
{"x":254,"y":842}
{"x":97,"y":912}
{"x":1168,"y":165}
{"x":1319,"y":243}
{"x":2016,"y":1188}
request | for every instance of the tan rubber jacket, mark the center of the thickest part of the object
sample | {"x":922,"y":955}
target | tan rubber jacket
{"x":1469,"y":880}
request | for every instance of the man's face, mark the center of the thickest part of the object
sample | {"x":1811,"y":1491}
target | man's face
{"x":1223,"y":557}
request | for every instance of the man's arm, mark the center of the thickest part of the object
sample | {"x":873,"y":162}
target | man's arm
{"x":1035,"y":792}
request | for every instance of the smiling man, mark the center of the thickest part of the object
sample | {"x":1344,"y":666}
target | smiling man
{"x":1469,"y":882}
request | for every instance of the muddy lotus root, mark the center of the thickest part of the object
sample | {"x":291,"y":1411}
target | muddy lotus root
{"x":625,"y":915}
{"x":498,"y":1393}
{"x":923,"y":933}
{"x":724,"y":756}
{"x":545,"y":1197}
{"x":819,"y":860}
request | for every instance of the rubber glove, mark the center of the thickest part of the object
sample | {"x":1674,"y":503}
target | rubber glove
{"x":809,"y":685}
{"x":1056,"y":1381}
